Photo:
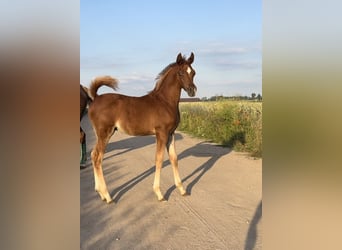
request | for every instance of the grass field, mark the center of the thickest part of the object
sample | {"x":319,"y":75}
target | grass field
{"x":235,"y":124}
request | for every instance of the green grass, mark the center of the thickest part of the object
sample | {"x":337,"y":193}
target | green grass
{"x":235,"y":124}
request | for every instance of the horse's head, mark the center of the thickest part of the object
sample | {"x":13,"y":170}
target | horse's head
{"x":186,"y":74}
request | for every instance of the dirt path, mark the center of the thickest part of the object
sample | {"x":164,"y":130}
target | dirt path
{"x":222,"y":212}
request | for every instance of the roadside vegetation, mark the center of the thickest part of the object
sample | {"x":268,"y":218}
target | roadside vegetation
{"x":235,"y":124}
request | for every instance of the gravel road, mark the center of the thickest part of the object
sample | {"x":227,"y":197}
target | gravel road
{"x":223,"y":210}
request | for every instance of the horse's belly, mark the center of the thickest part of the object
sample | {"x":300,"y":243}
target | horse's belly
{"x":135,"y":129}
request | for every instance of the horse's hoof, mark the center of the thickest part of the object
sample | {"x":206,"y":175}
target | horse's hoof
{"x":109,"y":201}
{"x":186,"y":194}
{"x":162,"y":200}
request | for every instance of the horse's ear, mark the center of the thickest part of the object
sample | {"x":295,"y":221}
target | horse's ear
{"x":179,"y":59}
{"x":191,"y":58}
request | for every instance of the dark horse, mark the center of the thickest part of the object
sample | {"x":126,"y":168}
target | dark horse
{"x":84,"y":100}
{"x":156,"y":113}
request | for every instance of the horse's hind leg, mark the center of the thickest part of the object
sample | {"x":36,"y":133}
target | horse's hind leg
{"x":97,"y":157}
{"x":174,"y":162}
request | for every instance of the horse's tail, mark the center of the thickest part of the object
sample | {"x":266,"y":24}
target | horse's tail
{"x":102,"y":81}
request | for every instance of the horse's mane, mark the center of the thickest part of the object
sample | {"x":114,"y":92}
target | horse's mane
{"x":160,"y":77}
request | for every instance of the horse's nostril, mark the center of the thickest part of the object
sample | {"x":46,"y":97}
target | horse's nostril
{"x":191,"y":92}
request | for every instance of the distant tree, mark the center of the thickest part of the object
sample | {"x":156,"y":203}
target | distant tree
{"x":219,"y":98}
{"x":253,"y":96}
{"x":213,"y":98}
{"x":259,"y":97}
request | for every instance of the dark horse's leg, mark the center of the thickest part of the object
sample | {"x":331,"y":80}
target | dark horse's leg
{"x":83,"y":148}
{"x":84,"y":98}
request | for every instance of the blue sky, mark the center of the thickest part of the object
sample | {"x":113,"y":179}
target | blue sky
{"x":134,"y":40}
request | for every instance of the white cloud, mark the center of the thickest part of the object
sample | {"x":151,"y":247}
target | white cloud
{"x":238,"y":65}
{"x":221,"y":48}
{"x":135,"y":77}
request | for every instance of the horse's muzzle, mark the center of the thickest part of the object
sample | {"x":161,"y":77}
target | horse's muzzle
{"x":191,"y":91}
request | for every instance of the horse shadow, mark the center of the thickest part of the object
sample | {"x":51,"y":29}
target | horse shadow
{"x":252,"y":235}
{"x":133,"y":143}
{"x":202,"y":149}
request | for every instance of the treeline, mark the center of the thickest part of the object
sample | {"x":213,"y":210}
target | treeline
{"x":252,"y":97}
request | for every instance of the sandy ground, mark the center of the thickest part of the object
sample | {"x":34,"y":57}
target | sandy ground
{"x":223,"y":210}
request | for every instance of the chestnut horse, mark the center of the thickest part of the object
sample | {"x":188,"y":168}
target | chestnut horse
{"x":156,"y":113}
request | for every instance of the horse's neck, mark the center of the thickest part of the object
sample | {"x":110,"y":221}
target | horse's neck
{"x":170,"y":90}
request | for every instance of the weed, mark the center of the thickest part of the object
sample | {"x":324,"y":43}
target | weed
{"x":230,"y":123}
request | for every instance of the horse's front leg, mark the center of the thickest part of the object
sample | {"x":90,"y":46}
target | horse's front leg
{"x":161,"y":143}
{"x":174,"y":162}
